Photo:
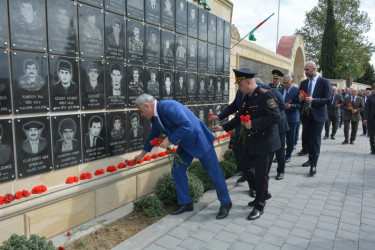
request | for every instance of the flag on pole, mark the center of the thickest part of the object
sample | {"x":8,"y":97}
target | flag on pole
{"x":251,"y":35}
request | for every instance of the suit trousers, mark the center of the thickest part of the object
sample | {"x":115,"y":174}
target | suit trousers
{"x":354,"y":130}
{"x":280,"y":154}
{"x":371,"y":134}
{"x":304,"y":140}
{"x":290,"y":139}
{"x":211,"y":165}
{"x":297,"y":133}
{"x":335,"y":123}
{"x":312,"y":132}
{"x":342,"y":112}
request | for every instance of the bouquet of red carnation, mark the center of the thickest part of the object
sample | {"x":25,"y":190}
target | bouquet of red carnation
{"x":349,"y":104}
{"x":244,"y":119}
{"x":335,"y":102}
{"x":210,"y":114}
{"x":290,"y":101}
{"x":172,"y":155}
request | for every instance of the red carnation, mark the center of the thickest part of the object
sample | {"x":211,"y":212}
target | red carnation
{"x":161,"y":154}
{"x":68,"y":233}
{"x":83,"y":176}
{"x":69,"y":180}
{"x":121,"y":165}
{"x":76,"y":179}
{"x":43,"y":188}
{"x":140,"y":161}
{"x":335,"y":102}
{"x":111,"y":169}
{"x":61,"y":248}
{"x":301,"y":92}
{"x":305,"y":95}
{"x":36,"y":190}
{"x":154,"y":156}
{"x":1,"y":200}
{"x":290,"y":101}
{"x":349,"y":104}
{"x":25,"y":193}
{"x":175,"y":150}
{"x":210,"y":114}
{"x":89,"y":175}
{"x":18,"y":195}
{"x":245,"y":118}
{"x":147,"y":158}
{"x":97,"y":172}
{"x":8,"y":198}
{"x":131,"y":163}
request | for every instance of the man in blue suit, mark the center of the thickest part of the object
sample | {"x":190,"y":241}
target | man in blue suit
{"x":194,"y":140}
{"x":314,"y":112}
{"x":290,"y":96}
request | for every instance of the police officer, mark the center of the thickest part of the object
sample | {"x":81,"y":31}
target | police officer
{"x":260,"y":134}
{"x":276,"y":79}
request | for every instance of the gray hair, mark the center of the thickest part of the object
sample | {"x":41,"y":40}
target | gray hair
{"x":311,"y":64}
{"x":144,"y":98}
{"x":288,"y":76}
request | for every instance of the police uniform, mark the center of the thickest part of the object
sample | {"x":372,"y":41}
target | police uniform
{"x":260,"y":141}
{"x":276,"y":74}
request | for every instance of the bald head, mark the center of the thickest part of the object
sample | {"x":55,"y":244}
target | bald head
{"x":310,"y":70}
{"x":333,"y":90}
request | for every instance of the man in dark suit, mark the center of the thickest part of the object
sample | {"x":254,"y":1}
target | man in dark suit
{"x":92,"y":138}
{"x":353,"y":106}
{"x":137,"y":130}
{"x":65,"y":86}
{"x":194,"y":140}
{"x":34,"y":144}
{"x":333,"y":114}
{"x":67,"y":131}
{"x":314,"y":112}
{"x":368,"y":92}
{"x":369,"y":120}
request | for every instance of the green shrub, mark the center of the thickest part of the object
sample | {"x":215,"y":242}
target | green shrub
{"x":166,"y":191}
{"x":229,"y":169}
{"x":229,"y":156}
{"x":196,"y":168}
{"x":150,"y":205}
{"x":21,"y":242}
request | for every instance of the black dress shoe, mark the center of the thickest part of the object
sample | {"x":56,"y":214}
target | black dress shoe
{"x":352,"y":142}
{"x":287,"y":159}
{"x":312,"y":170}
{"x":344,"y":142}
{"x":251,"y":203}
{"x":306,"y":164}
{"x":241,"y":179}
{"x":255,"y":214}
{"x":300,"y":153}
{"x":332,"y":137}
{"x":372,"y":153}
{"x":224,"y":211}
{"x":252,"y":193}
{"x":325,"y":137}
{"x":363,"y":134}
{"x":183,"y":208}
{"x":274,"y":160}
{"x":268,"y":196}
{"x":279,"y":176}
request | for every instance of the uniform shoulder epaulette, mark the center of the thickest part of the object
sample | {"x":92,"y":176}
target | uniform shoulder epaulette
{"x":262,"y":90}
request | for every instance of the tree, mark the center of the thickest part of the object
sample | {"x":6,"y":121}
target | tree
{"x":351,"y":26}
{"x":328,"y":60}
{"x":369,"y":75}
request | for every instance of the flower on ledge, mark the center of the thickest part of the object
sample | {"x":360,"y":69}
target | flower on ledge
{"x":172,"y":155}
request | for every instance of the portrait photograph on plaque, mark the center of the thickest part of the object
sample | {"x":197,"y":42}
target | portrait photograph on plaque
{"x":33,"y":145}
{"x":199,"y":112}
{"x":181,"y":52}
{"x":220,"y":31}
{"x":91,"y":32}
{"x":135,"y":9}
{"x":211,"y":60}
{"x":5,"y":96}
{"x":135,"y":45}
{"x":151,"y":78}
{"x":96,"y":3}
{"x":62,"y":27}
{"x":191,"y":88}
{"x":94,"y":136}
{"x":167,"y":14}
{"x":192,"y":20}
{"x":114,"y":37}
{"x":181,"y":16}
{"x":7,"y":166}
{"x":66,"y":141}
{"x":226,"y":69}
{"x":116,"y":131}
{"x":3,"y":24}
{"x":224,"y":106}
{"x":152,"y":49}
{"x":180,"y":86}
{"x":64,"y":83}
{"x":115,"y":92}
{"x":217,"y":110}
{"x":218,"y":89}
{"x":227,"y":34}
{"x":117,"y":6}
{"x":202,"y":88}
{"x":28,"y":25}
{"x":167,"y":85}
{"x":203,"y":24}
{"x":202,"y":57}
{"x":135,"y":83}
{"x":30,"y":82}
{"x":226,"y":89}
{"x":136,"y":131}
{"x":152,"y":12}
{"x":92,"y":84}
{"x":211,"y":88}
{"x":192,"y":62}
{"x":219,"y":60}
{"x":211,"y":36}
{"x":210,"y":109}
{"x":167,"y":49}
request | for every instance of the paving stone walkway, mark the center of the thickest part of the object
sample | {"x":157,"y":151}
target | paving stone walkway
{"x":335,"y":209}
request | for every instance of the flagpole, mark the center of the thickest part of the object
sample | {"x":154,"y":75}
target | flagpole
{"x":278,"y":17}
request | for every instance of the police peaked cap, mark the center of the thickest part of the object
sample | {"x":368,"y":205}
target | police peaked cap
{"x":243,"y":74}
{"x":277,"y":73}
{"x":33,"y":124}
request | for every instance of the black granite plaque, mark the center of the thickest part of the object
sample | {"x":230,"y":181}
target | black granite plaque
{"x":66,"y":140}
{"x":135,"y":84}
{"x":202,"y":88}
{"x":152,"y":49}
{"x":180,"y":86}
{"x":210,"y":110}
{"x":168,"y":47}
{"x":181,"y":16}
{"x":152,"y":12}
{"x":192,"y":20}
{"x":136,"y":134}
{"x":226,"y":89}
{"x":167,"y":14}
{"x":219,"y":60}
{"x":211,"y":60}
{"x":3,"y":25}
{"x":211,"y":88}
{"x":96,"y":3}
{"x":114,"y":37}
{"x":203,"y":24}
{"x":167,"y":85}
{"x":62,"y":27}
{"x":115,"y":85}
{"x":226,"y":69}
{"x":218,"y":89}
{"x":211,"y":36}
{"x":227,"y":34}
{"x":93,"y":137}
{"x":7,"y":168}
{"x":226,"y":119}
{"x":135,"y":9}
{"x":219,"y":31}
{"x":192,"y":54}
{"x":33,"y":145}
{"x":192,"y":88}
{"x":92,"y":84}
{"x":181,"y":55}
{"x":30,"y":82}
{"x":217,"y":108}
{"x":91,"y":31}
{"x":199,"y":112}
{"x":116,"y":131}
{"x":206,"y":112}
{"x":5,"y":97}
{"x":135,"y":44}
{"x":64,"y":83}
{"x":202,"y":57}
{"x":151,"y":78}
{"x":27,"y":25}
{"x":117,"y":6}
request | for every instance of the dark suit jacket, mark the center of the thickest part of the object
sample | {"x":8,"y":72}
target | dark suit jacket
{"x":292,"y":114}
{"x":283,"y":126}
{"x":75,"y":146}
{"x":27,"y":148}
{"x":139,"y":133}
{"x":332,"y":110}
{"x":358,"y":105}
{"x":99,"y":141}
{"x":5,"y":151}
{"x":369,"y":113}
